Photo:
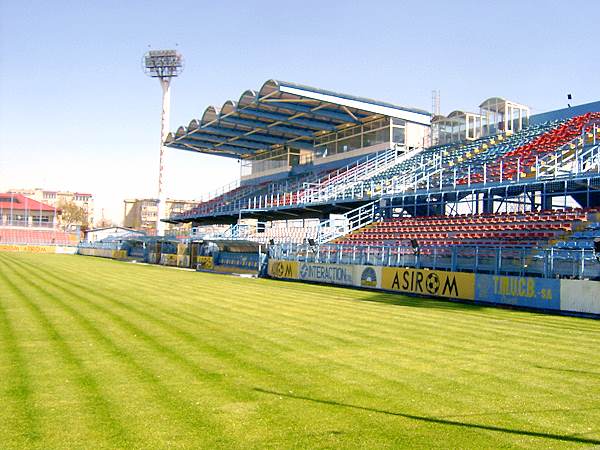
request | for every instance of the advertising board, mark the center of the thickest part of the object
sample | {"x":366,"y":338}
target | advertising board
{"x":204,"y":262}
{"x":28,"y":248}
{"x":283,"y":269}
{"x":246,"y":261}
{"x":437,"y":283}
{"x":580,"y":296}
{"x":367,"y":277}
{"x":326,"y":273}
{"x":542,"y":293}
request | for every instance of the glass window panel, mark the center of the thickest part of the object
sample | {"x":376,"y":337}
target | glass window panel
{"x":398,"y":135}
{"x":330,"y":149}
{"x":376,"y":137}
{"x":525,"y":119}
{"x":346,"y":145}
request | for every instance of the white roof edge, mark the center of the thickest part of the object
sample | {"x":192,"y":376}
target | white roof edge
{"x":377,"y":109}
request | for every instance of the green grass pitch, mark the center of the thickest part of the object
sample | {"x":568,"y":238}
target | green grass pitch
{"x":96,"y":354}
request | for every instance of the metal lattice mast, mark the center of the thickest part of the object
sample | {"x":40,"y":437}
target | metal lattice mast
{"x":164,"y":65}
{"x":435,"y":102}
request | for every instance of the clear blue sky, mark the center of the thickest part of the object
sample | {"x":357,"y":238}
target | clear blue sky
{"x":77,"y":113}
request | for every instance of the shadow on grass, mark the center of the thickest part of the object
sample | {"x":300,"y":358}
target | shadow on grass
{"x":401,"y":299}
{"x":584,"y":372}
{"x":558,"y":437}
{"x":533,"y":411}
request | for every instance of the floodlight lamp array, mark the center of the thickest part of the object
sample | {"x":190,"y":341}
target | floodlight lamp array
{"x":163,"y":63}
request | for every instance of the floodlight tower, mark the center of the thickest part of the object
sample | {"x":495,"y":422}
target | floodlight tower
{"x":164,"y":65}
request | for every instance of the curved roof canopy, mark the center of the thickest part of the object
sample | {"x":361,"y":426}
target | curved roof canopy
{"x":280,"y":113}
{"x":499,"y":104}
{"x":492,"y":102}
{"x":454,"y":116}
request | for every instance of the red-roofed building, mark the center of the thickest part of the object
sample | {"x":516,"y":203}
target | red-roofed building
{"x":16,"y":210}
{"x":61,"y":199}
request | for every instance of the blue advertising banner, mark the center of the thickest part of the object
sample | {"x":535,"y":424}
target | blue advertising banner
{"x":248,"y":261}
{"x":531,"y":292}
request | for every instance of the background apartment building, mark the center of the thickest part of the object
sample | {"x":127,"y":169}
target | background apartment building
{"x":140,"y":214}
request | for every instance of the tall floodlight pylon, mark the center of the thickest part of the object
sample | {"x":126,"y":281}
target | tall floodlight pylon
{"x":164,"y":65}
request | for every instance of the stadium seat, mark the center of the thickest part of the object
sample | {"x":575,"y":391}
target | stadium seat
{"x":513,"y":229}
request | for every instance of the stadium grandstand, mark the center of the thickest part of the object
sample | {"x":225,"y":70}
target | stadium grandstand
{"x":24,"y":221}
{"x":332,"y":174}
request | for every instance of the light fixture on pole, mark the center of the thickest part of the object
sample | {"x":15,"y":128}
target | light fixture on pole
{"x":164,"y":65}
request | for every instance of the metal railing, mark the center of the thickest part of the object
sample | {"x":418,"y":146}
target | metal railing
{"x":574,"y":157}
{"x":26,"y":223}
{"x":348,"y":222}
{"x":547,"y":263}
{"x":431,"y":175}
{"x":285,"y":194}
{"x":326,"y":230}
{"x":345,"y":178}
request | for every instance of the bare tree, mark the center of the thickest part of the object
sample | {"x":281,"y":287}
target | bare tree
{"x":103,"y":223}
{"x":71,"y":214}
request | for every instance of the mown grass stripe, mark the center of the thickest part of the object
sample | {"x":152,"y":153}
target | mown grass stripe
{"x":200,"y":373}
{"x":455,"y":348}
{"x":89,"y":294}
{"x":463,"y":324}
{"x":401,"y":376}
{"x":184,"y":410}
{"x":18,"y":380}
{"x":359,"y":372}
{"x":97,"y":404}
{"x":388,"y":380}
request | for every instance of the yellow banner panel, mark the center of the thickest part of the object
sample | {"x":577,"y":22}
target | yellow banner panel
{"x":283,"y":269}
{"x":28,"y":248}
{"x":429,"y":282}
{"x":119,"y":254}
{"x":205,"y":262}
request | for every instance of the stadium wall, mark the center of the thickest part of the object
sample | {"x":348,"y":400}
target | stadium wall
{"x":544,"y":294}
{"x":103,"y":253}
{"x":580,"y":296}
{"x":222,"y":262}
